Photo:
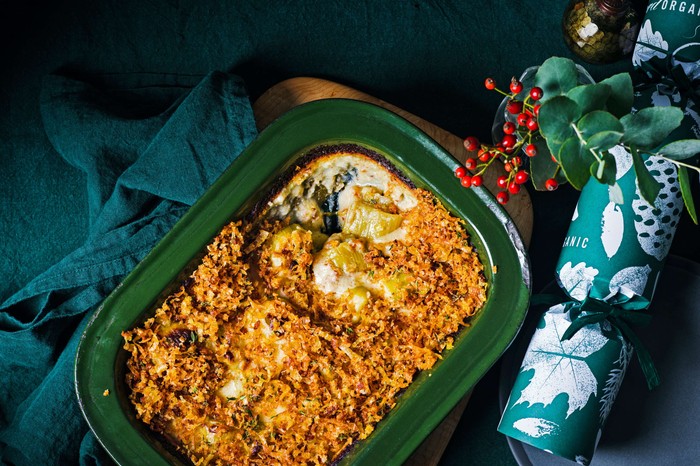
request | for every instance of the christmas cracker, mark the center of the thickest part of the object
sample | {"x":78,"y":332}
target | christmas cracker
{"x":609,"y":264}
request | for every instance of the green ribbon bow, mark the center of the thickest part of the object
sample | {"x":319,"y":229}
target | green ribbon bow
{"x":668,"y":78}
{"x":595,"y":311}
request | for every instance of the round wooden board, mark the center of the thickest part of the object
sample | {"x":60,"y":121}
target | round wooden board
{"x":288,"y":94}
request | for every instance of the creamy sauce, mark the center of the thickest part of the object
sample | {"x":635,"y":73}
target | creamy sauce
{"x":354,"y":178}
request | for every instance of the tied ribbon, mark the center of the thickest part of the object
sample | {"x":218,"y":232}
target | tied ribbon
{"x":668,"y":78}
{"x":595,"y":311}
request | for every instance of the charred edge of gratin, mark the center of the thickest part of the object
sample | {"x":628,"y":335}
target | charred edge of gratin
{"x":315,"y":153}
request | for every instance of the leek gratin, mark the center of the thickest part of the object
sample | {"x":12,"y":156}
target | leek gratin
{"x":302,"y":324}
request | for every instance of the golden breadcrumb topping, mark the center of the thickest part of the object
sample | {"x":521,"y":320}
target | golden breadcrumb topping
{"x":286,"y":344}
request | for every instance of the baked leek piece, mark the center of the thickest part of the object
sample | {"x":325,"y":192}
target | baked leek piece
{"x":300,"y":327}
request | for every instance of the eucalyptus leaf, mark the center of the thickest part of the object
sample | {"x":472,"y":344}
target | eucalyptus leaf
{"x":554,"y":148}
{"x":621,"y":95}
{"x":604,"y":140}
{"x":575,"y":162}
{"x":556,"y":76}
{"x":556,"y":118}
{"x":600,"y":130}
{"x":542,"y":167}
{"x":605,"y":170}
{"x":648,"y":128}
{"x":590,"y":96}
{"x":684,"y":181}
{"x":597,"y":121}
{"x":681,"y":149}
{"x":648,"y":186}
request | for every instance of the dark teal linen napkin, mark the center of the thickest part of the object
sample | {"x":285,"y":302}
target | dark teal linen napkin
{"x":149,"y":146}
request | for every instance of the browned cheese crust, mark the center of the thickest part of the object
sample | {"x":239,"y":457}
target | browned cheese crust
{"x":249,"y":362}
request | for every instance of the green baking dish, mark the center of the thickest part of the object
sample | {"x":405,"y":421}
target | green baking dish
{"x":100,"y":360}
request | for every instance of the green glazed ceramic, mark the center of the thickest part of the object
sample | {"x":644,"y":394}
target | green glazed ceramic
{"x":100,"y":361}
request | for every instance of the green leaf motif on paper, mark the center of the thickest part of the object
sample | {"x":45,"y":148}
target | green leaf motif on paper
{"x":560,"y":367}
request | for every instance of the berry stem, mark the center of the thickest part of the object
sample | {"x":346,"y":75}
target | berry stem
{"x":679,"y":163}
{"x":503,"y":93}
{"x":556,"y":171}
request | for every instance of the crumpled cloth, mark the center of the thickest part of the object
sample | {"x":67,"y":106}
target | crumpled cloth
{"x":149,"y":146}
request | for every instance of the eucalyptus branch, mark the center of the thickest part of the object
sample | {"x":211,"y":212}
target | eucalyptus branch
{"x":679,"y":163}
{"x":660,"y":155}
{"x":563,"y":119}
{"x":583,"y":141}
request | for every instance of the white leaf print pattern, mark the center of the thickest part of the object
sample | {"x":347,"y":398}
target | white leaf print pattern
{"x":614,"y":381}
{"x":648,"y":36}
{"x":690,"y":68}
{"x":656,"y":225}
{"x":536,"y":427}
{"x":695,"y":116}
{"x":630,"y":281}
{"x":623,"y":161}
{"x":612,"y":229}
{"x":576,"y":280}
{"x":560,"y":366}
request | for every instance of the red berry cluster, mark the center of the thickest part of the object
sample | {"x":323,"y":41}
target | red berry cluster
{"x":518,"y":135}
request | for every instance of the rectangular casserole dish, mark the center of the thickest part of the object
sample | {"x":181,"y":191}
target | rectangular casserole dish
{"x":100,"y":362}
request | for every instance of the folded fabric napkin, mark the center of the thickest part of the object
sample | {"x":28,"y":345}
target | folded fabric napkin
{"x":149,"y":147}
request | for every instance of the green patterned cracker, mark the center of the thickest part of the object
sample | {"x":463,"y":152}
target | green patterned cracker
{"x":614,"y":253}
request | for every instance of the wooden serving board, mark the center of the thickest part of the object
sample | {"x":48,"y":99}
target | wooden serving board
{"x":288,"y":94}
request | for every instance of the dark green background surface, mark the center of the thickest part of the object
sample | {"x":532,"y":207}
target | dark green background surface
{"x":428,"y":57}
